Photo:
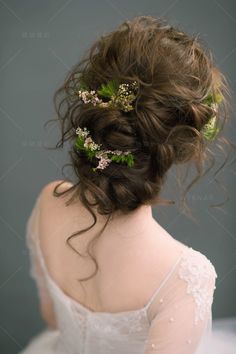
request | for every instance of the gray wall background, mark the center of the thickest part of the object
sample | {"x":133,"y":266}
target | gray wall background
{"x":40,"y":41}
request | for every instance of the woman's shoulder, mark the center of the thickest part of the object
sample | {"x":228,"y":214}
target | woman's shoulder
{"x":192,"y":265}
{"x":175,"y":249}
{"x":47,"y":196}
{"x":52,"y":207}
{"x":61,"y":184}
{"x":176,"y":260}
{"x":196,"y":267}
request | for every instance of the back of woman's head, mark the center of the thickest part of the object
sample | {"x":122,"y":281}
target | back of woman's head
{"x":175,"y":73}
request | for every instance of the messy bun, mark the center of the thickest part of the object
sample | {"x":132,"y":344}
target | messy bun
{"x":175,"y":73}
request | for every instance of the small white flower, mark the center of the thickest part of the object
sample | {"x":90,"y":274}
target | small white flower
{"x":82,"y":133}
{"x":117,"y":152}
{"x":214,"y":106}
{"x":103,"y":163}
{"x":87,"y":142}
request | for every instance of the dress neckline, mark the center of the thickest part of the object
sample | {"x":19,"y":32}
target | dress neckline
{"x":105,"y":313}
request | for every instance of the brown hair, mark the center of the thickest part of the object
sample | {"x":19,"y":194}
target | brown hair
{"x":174,"y":73}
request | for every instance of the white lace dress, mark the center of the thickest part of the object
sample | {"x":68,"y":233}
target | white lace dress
{"x":176,"y":320}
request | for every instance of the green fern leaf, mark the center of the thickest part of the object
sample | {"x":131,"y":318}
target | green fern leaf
{"x":109,"y":89}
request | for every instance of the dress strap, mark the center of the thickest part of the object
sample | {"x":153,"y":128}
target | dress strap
{"x":167,"y":276}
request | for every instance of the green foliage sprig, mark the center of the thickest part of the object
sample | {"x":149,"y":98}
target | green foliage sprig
{"x":85,"y":143}
{"x":210,"y":129}
{"x":119,"y":96}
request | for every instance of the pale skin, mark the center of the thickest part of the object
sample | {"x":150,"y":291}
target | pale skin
{"x":135,"y":239}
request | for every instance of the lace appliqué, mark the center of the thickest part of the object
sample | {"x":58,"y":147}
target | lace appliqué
{"x":131,"y":323}
{"x":197,"y":270}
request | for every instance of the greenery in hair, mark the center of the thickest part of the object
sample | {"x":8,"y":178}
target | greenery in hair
{"x":109,"y":90}
{"x":210,"y":130}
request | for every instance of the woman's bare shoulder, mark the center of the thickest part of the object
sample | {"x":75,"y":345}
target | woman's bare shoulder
{"x":49,"y":187}
{"x":47,"y":191}
{"x":49,"y":202}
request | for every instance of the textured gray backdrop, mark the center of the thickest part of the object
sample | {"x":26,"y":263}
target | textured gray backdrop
{"x":40,"y":41}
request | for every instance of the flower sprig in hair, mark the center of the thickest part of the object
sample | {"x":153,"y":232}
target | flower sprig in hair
{"x":210,"y":130}
{"x":85,"y":143}
{"x":111,"y":94}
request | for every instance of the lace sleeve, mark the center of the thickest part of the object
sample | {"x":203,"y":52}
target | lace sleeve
{"x":181,"y":312}
{"x":32,"y":229}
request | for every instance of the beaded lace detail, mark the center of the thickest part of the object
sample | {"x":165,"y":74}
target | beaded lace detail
{"x":197,"y":270}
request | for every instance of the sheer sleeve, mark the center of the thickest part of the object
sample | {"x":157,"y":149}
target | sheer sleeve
{"x":181,"y":317}
{"x":36,"y":271}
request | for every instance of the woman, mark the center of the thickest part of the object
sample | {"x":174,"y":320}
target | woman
{"x":110,"y":278}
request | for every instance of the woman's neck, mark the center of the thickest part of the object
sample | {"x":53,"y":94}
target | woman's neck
{"x":132,"y":223}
